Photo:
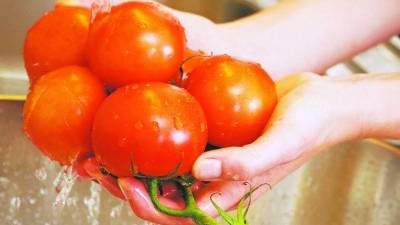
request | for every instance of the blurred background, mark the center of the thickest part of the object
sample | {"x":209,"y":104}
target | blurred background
{"x":357,"y":183}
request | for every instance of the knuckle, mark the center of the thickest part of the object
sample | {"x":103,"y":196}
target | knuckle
{"x":239,"y":168}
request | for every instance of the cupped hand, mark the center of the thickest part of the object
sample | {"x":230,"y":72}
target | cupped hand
{"x":308,"y":118}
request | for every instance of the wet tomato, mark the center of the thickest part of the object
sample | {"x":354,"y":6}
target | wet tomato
{"x":237,"y":97}
{"x":57,"y":39}
{"x":155,"y":127}
{"x":59,"y":112}
{"x":135,"y":42}
{"x":191,"y":61}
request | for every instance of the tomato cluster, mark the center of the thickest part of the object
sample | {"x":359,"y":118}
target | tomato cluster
{"x":147,"y":125}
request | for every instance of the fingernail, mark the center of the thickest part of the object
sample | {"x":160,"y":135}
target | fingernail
{"x":112,"y":186}
{"x":208,"y":169}
{"x":123,"y":185}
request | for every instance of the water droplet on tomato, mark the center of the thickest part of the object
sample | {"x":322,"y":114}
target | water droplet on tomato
{"x":236,"y":108}
{"x":143,"y":25}
{"x":79,"y":112}
{"x":138,"y":125}
{"x":122,"y":142}
{"x":133,"y":87}
{"x":203,"y":127}
{"x":156,"y":126}
{"x":179,"y":137}
{"x":126,"y":90}
{"x":178,"y":123}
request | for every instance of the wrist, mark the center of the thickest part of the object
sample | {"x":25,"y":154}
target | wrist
{"x":370,"y":105}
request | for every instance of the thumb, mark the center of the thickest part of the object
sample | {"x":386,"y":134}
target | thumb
{"x":280,"y":144}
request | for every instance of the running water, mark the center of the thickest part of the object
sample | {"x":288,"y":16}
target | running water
{"x":93,"y":204}
{"x":100,"y":6}
{"x":96,"y":6}
{"x":63,"y":184}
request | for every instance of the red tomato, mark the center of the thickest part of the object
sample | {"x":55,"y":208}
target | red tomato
{"x":135,"y":42}
{"x":237,"y":97}
{"x":57,"y":39}
{"x":59,"y":112}
{"x":191,"y":61}
{"x":154,"y":126}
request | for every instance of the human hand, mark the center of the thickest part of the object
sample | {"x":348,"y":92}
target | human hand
{"x":301,"y":96}
{"x":312,"y":114}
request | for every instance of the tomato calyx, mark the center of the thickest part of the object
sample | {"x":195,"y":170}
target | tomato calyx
{"x":186,"y":180}
{"x":190,"y":211}
{"x":170,"y":176}
{"x":242,"y":209}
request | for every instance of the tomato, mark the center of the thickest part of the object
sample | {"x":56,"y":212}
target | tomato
{"x":154,"y":126}
{"x":191,"y":61}
{"x":59,"y":112}
{"x":135,"y":42}
{"x":57,"y":39}
{"x":237,"y":97}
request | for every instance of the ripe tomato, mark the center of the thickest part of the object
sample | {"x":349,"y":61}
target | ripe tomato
{"x":57,"y":39}
{"x":154,"y":126}
{"x":59,"y":112}
{"x":135,"y":42}
{"x":237,"y":97}
{"x":191,"y":61}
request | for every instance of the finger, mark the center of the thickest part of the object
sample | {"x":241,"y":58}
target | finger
{"x":171,"y":190}
{"x":231,"y":192}
{"x":139,"y":200}
{"x":227,"y":194}
{"x":281,"y":143}
{"x":88,"y":3}
{"x":285,"y":139}
{"x":79,"y":168}
{"x":84,"y":3}
{"x":286,"y":84}
{"x":108,"y":182}
{"x":79,"y":164}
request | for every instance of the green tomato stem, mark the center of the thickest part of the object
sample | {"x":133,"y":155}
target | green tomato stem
{"x":191,"y":210}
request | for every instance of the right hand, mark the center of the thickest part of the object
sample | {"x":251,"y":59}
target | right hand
{"x":197,"y":28}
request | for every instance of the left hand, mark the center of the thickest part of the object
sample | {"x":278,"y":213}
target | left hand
{"x":312,"y":114}
{"x":300,"y":127}
{"x":197,"y":28}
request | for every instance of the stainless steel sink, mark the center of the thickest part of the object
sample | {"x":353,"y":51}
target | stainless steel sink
{"x":354,"y":183}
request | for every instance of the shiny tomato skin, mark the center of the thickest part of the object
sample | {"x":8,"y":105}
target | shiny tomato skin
{"x":155,"y":126}
{"x":59,"y":112}
{"x":135,"y":42}
{"x":57,"y":39}
{"x":237,"y":97}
